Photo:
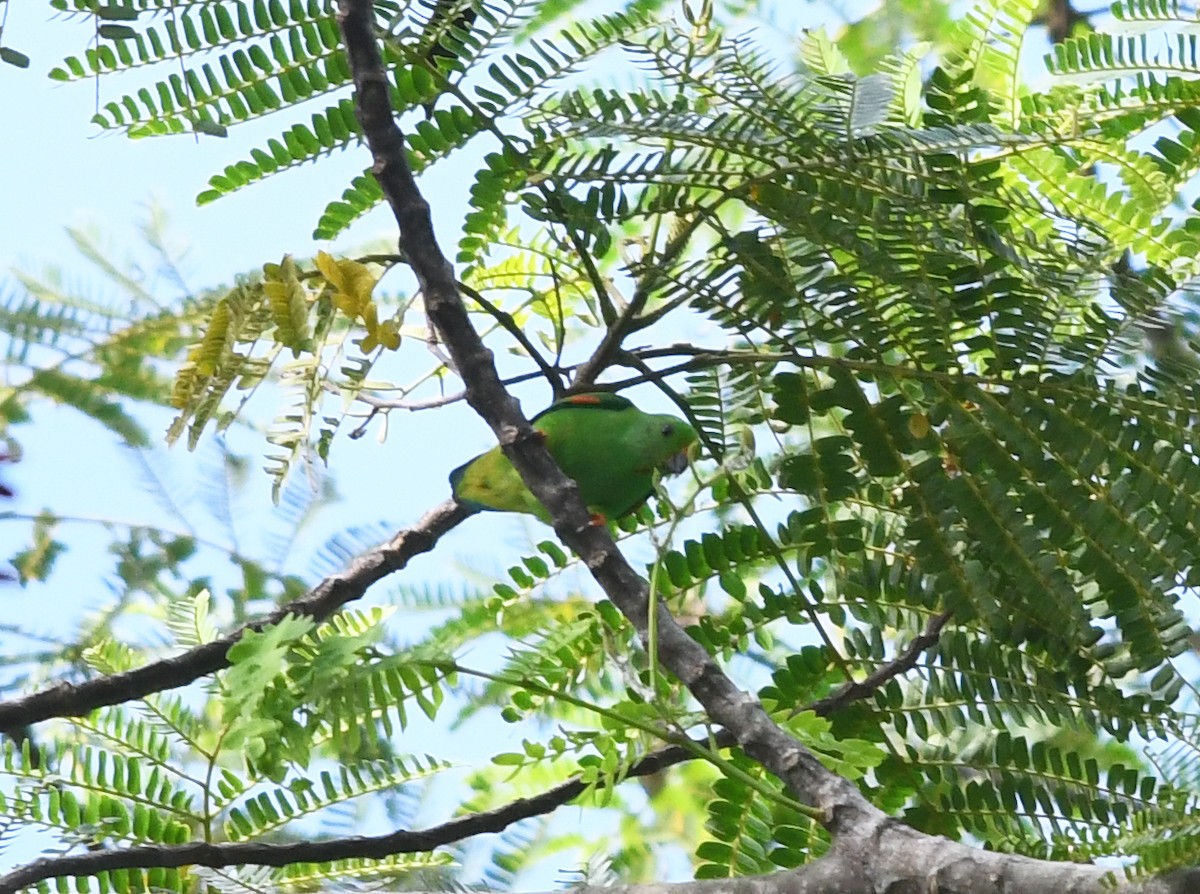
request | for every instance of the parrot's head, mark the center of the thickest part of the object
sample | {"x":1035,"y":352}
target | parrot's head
{"x":678,"y":444}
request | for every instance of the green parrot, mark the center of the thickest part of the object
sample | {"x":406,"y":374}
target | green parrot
{"x":610,"y":447}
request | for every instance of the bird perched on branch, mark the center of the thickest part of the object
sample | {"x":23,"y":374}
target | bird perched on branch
{"x":610,"y":447}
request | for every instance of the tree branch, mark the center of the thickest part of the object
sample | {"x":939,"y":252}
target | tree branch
{"x":75,"y":699}
{"x":914,"y":862}
{"x":217,"y":856}
{"x":632,"y":318}
{"x":860,"y":689}
{"x":506,"y":320}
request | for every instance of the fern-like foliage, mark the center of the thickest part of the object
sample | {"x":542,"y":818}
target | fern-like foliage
{"x":225,"y":64}
{"x":924,"y":326}
{"x":165,"y":774}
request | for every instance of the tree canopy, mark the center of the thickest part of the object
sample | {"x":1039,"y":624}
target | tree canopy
{"x":920,"y":617}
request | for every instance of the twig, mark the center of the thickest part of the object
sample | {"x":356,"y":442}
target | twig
{"x":601,"y":358}
{"x":429,"y":403}
{"x":361,"y":429}
{"x":510,"y":326}
{"x":215,"y":856}
{"x":608,"y":312}
{"x":902,"y":663}
{"x":631,"y":319}
{"x":382,"y":405}
{"x":75,"y":699}
{"x":378,"y":405}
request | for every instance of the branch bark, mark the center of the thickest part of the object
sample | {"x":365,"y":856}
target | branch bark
{"x":900,"y":861}
{"x":403,"y":841}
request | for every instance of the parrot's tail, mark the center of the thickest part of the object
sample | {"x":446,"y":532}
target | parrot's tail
{"x":455,"y":479}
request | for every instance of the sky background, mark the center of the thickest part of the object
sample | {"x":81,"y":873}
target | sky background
{"x":61,"y":172}
{"x":58,"y":171}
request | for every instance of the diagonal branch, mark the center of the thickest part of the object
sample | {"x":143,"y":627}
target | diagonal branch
{"x":633,"y":318}
{"x":75,"y":699}
{"x":837,"y":800}
{"x":902,"y":663}
{"x":506,"y":320}
{"x":216,"y":856}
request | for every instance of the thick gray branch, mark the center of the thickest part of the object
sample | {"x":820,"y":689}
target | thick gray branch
{"x":737,"y":711}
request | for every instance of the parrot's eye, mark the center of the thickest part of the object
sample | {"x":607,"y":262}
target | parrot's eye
{"x":668,"y":430}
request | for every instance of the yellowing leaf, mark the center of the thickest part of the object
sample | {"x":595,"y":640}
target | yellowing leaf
{"x":289,"y":304}
{"x":203,"y":357}
{"x":389,"y":334}
{"x":370,"y":316}
{"x":918,"y":425}
{"x":208,"y":353}
{"x":352,"y":282}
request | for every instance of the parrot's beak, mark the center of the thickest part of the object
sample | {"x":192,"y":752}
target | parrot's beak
{"x":678,"y":462}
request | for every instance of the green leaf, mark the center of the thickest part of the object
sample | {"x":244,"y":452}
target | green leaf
{"x":14,"y":57}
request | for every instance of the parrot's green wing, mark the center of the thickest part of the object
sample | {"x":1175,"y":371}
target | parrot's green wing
{"x":610,"y":447}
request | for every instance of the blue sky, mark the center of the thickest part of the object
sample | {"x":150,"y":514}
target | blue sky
{"x":60,"y":170}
